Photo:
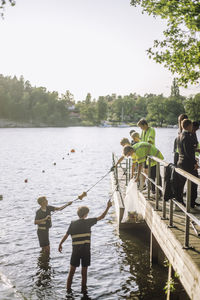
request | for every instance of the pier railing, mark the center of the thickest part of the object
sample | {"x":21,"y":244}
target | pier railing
{"x":189,"y":217}
{"x":160,"y":203}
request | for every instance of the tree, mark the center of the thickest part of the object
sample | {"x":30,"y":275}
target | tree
{"x":180,"y":49}
{"x":175,"y":89}
{"x":2,"y":5}
{"x":157,"y":110}
{"x":192,"y":108}
{"x":102,"y":108}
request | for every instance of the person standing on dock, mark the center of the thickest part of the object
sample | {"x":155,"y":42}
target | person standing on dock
{"x":43,"y":220}
{"x":176,"y":154}
{"x":80,"y":231}
{"x":141,"y":150}
{"x":186,"y":160}
{"x":148,"y":133}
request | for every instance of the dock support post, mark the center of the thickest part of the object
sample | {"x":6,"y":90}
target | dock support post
{"x":156,"y":254}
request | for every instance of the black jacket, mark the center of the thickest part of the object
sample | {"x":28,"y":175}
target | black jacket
{"x":170,"y":183}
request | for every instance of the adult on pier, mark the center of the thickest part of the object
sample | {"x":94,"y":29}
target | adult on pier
{"x":186,"y":160}
{"x":148,"y":133}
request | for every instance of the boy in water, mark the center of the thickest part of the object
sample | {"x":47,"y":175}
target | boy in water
{"x":80,"y":231}
{"x":43,"y":220}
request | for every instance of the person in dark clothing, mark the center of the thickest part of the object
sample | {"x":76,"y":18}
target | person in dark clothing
{"x":80,"y":231}
{"x":175,"y":150}
{"x":186,"y":160}
{"x":43,"y":220}
{"x":195,"y":127}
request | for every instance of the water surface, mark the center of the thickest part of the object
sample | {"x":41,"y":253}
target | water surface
{"x":120,"y":263}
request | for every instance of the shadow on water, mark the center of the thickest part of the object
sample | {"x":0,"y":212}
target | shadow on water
{"x":145,"y":281}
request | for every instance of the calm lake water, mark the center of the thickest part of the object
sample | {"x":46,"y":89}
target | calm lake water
{"x":120,"y":263}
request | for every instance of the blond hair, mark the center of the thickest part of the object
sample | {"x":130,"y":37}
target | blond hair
{"x":135,"y":135}
{"x":124,"y":142}
{"x":41,"y":199}
{"x":82,"y":211}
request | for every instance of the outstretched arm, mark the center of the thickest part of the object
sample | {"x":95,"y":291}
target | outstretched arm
{"x":62,"y":241}
{"x":84,"y":194}
{"x":109,"y":204}
{"x":62,"y":207}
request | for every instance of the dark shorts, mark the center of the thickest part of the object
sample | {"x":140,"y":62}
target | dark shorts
{"x":43,"y":236}
{"x":80,"y":253}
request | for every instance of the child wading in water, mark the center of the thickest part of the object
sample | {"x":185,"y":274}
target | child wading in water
{"x":80,"y":231}
{"x":43,"y":220}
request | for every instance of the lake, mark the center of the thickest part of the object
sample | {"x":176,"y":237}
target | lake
{"x":120,"y":263}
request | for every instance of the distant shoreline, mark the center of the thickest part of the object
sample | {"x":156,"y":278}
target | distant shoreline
{"x":5,"y":123}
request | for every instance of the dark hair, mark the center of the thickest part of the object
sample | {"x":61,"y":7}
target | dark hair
{"x":127,"y":149}
{"x":195,"y":125}
{"x":142,"y":122}
{"x":180,"y":119}
{"x":185,"y":123}
{"x":131,"y":131}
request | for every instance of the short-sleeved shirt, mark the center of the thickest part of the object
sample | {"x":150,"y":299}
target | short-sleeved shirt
{"x":40,"y":214}
{"x":143,"y":149}
{"x":80,"y":231}
{"x":148,"y":135}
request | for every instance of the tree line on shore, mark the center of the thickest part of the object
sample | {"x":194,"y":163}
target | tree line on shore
{"x":21,"y":102}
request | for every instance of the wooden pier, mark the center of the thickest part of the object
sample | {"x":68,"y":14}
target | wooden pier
{"x":173,"y":227}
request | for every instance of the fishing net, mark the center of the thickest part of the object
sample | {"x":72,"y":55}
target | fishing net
{"x":132,"y":211}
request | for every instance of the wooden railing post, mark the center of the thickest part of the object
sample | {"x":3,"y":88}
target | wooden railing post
{"x":149,"y":175}
{"x":157,"y":183}
{"x":127,"y":173}
{"x":187,"y":218}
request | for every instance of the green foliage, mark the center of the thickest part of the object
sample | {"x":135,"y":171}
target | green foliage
{"x":19,"y":101}
{"x":192,"y":107}
{"x":170,"y":286}
{"x":180,"y":50}
{"x":2,"y":5}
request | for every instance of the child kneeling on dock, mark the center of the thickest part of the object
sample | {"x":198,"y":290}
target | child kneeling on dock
{"x":80,"y":231}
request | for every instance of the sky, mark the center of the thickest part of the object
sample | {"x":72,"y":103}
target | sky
{"x":84,"y":46}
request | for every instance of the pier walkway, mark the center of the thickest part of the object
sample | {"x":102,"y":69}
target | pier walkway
{"x":173,"y":227}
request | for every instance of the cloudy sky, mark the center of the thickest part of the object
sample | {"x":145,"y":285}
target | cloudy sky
{"x":95,"y":46}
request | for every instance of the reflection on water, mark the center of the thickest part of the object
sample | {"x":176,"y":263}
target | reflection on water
{"x":142,"y":282}
{"x":43,"y":274}
{"x":120,"y":266}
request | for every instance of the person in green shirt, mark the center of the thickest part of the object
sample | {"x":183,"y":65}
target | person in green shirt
{"x":148,"y":133}
{"x":140,"y":151}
